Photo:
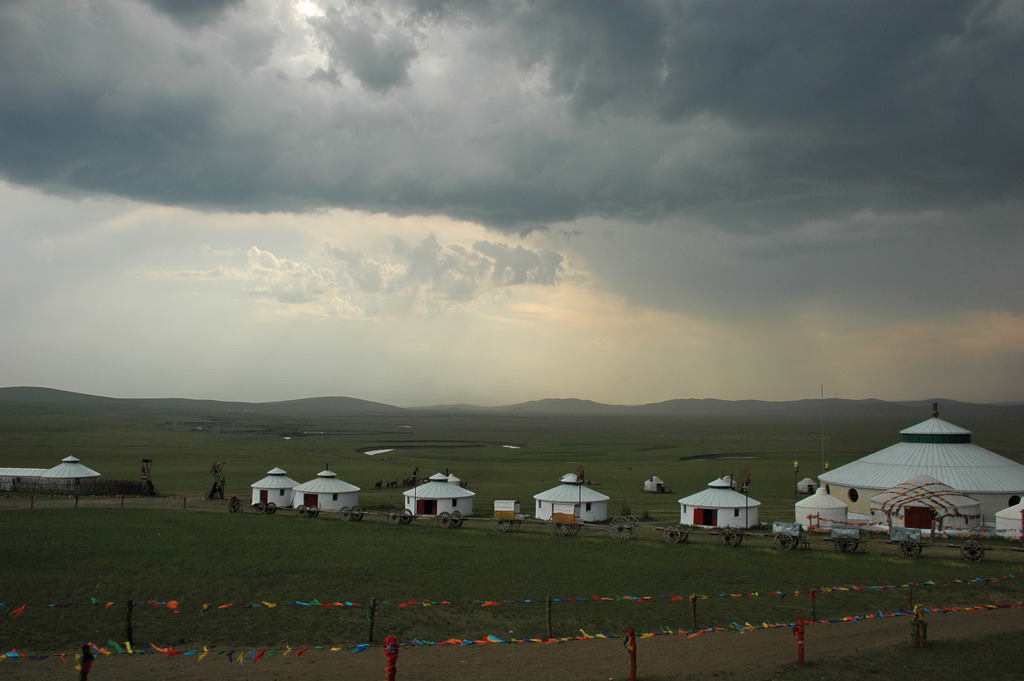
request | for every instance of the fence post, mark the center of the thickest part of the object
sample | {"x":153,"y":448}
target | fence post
{"x":693,"y":611}
{"x":548,"y":611}
{"x":631,"y":647}
{"x":910,"y":597}
{"x":987,"y":599}
{"x":184,"y":500}
{"x":122,"y":501}
{"x":798,"y":631}
{"x":391,"y":654}
{"x":814,"y":604}
{"x":32,"y":502}
{"x":129,"y":634}
{"x":85,"y":664}
{"x":76,"y":501}
{"x":371,"y":614}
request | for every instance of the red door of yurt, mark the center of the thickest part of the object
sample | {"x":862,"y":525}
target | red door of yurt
{"x":426,"y":507}
{"x":263,"y":496}
{"x":917,"y":516}
{"x":705,"y":516}
{"x":311,"y":500}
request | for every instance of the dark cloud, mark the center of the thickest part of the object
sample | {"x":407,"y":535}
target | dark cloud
{"x":514,"y":115}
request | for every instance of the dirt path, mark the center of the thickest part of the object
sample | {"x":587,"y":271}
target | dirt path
{"x":725,"y":655}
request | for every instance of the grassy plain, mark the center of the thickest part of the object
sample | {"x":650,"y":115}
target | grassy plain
{"x":196,"y":558}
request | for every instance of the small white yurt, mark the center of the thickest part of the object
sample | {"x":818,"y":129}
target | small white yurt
{"x":325,"y":492}
{"x":806,"y":486}
{"x":1010,"y":520}
{"x":820,"y":510}
{"x":654,"y":484}
{"x":924,"y":502}
{"x":587,"y":504}
{"x":718,"y":506}
{"x":439,"y":494}
{"x":276,"y":488}
{"x":69,"y":474}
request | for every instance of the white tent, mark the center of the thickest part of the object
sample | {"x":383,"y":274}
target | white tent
{"x":806,"y":486}
{"x":820,"y":509}
{"x":935,"y":448}
{"x":718,"y":506}
{"x":924,"y":502}
{"x":275,"y":488}
{"x":654,"y":484}
{"x":439,"y":494}
{"x":69,"y":469}
{"x":587,"y":505}
{"x":325,"y":492}
{"x":1010,"y":520}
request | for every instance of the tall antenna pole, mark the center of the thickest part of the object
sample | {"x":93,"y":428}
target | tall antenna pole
{"x":821,"y":403}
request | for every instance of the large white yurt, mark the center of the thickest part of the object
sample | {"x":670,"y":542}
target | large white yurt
{"x":588,"y":505}
{"x":276,"y":488}
{"x":1010,"y":520}
{"x":69,"y":474}
{"x":820,"y":510}
{"x":439,"y":494}
{"x":925,"y":503}
{"x":935,"y":448}
{"x":718,"y":505}
{"x":325,"y":492}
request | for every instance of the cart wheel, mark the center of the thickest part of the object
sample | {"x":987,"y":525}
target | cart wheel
{"x":621,"y":531}
{"x":271,"y":508}
{"x":405,"y":517}
{"x":731,"y":537}
{"x":444,"y":519}
{"x":260,"y":507}
{"x":312,"y":512}
{"x":573,"y":529}
{"x":301,"y":508}
{"x":345,"y":512}
{"x":673,"y":535}
{"x":910,"y":548}
{"x":500,"y":525}
{"x":514,"y":525}
{"x":357,"y":513}
{"x":784,"y":542}
{"x":972,"y":551}
{"x":554,"y":529}
{"x":846,"y":544}
{"x":394,"y":517}
{"x":457,"y":520}
{"x":234,"y":505}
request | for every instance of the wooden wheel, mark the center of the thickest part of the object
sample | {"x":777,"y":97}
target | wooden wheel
{"x":621,"y":532}
{"x":784,"y":541}
{"x":301,"y":508}
{"x":910,"y":548}
{"x":346,"y":512}
{"x":673,"y":535}
{"x":394,"y":517}
{"x":514,"y":525}
{"x":357,"y":513}
{"x":234,"y":505}
{"x":312,"y":512}
{"x":972,"y":551}
{"x":260,"y":507}
{"x":573,"y":529}
{"x":405,"y":517}
{"x":555,"y":529}
{"x":271,"y":508}
{"x":444,"y":519}
{"x":500,"y":525}
{"x":457,"y":520}
{"x":731,"y":537}
{"x":846,"y":544}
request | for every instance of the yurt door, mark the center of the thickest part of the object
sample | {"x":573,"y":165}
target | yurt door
{"x":917,"y":516}
{"x":311,"y":500}
{"x":263,"y":495}
{"x":705,"y":516}
{"x":426,"y":506}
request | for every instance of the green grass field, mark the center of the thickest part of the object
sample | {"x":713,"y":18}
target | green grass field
{"x":196,"y":558}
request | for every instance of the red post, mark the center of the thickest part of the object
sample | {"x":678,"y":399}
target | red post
{"x":391,"y":654}
{"x":85,"y":665}
{"x":798,"y":631}
{"x":631,"y":647}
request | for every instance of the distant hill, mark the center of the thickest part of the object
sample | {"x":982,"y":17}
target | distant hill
{"x":810,"y":409}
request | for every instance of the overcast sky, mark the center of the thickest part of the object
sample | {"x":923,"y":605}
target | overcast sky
{"x":436,"y":202}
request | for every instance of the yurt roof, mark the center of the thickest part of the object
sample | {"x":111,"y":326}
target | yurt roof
{"x":570,"y":493}
{"x":276,"y":479}
{"x":656,"y":480}
{"x":22,"y":472}
{"x":937,"y":449}
{"x":723,"y":482}
{"x":807,"y":481}
{"x":924,"y":491}
{"x":69,"y":468}
{"x":438,"y":476}
{"x":326,"y":482}
{"x":1012,"y":512}
{"x":715,"y":496}
{"x":438,"y":489}
{"x":820,"y":500}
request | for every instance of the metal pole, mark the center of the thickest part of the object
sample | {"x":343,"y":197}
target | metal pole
{"x":551,"y":633}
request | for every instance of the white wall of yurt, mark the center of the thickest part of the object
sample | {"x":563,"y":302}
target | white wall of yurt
{"x":276,"y":488}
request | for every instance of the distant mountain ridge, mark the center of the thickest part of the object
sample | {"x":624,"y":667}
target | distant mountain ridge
{"x":913,"y":411}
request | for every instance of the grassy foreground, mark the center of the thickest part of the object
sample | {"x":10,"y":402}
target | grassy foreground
{"x":198,"y":559}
